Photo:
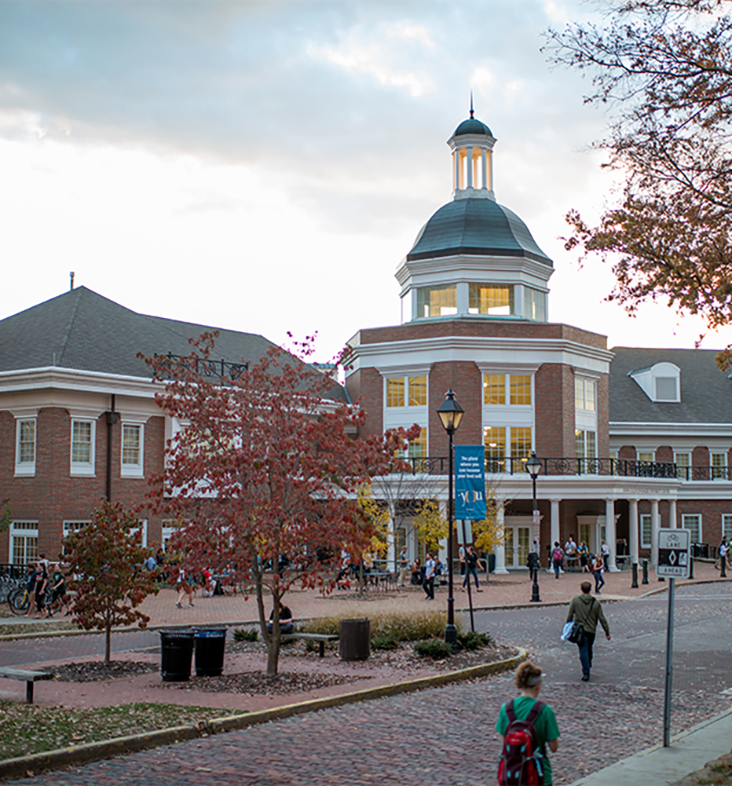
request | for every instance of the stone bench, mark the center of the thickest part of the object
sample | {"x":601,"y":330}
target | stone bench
{"x":27,"y":676}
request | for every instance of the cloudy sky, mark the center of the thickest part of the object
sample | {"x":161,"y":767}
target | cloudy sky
{"x":264,"y":165}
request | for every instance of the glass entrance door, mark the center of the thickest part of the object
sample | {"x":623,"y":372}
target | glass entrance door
{"x":517,"y":546}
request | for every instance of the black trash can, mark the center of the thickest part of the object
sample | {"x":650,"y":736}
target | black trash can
{"x":176,"y":647}
{"x":210,"y":646}
{"x":355,"y":639}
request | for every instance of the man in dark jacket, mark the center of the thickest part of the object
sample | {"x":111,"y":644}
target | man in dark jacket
{"x":587,"y":611}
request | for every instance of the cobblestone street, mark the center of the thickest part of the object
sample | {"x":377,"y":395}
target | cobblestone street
{"x":445,"y":736}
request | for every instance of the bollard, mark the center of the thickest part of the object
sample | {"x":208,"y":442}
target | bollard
{"x":645,"y":571}
{"x":634,"y":585}
{"x":723,"y":565}
{"x":691,"y":567}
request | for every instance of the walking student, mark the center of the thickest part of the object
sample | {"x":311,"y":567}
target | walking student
{"x":587,"y":611}
{"x":557,"y":556}
{"x":403,"y":567}
{"x":527,"y":707}
{"x":429,"y":577}
{"x":471,"y":568}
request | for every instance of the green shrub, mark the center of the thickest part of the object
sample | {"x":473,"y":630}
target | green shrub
{"x":397,"y":626}
{"x":383,"y":642}
{"x":246,"y":634}
{"x":472,"y":640}
{"x":436,"y":649}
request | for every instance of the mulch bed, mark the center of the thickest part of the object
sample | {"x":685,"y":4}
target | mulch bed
{"x":96,"y":671}
{"x":258,"y":683}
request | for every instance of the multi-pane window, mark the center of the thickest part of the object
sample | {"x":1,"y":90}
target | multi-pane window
{"x":26,"y":447}
{"x":519,"y":389}
{"x":719,"y":466}
{"x":494,"y":388}
{"x":417,"y":391}
{"x":585,"y":444}
{"x":683,"y":465}
{"x":646,"y":530}
{"x":534,"y":304}
{"x":520,"y":442}
{"x":491,"y":299}
{"x":692,"y":522}
{"x":418,"y":446}
{"x":727,"y":525}
{"x":395,"y":392}
{"x":132,"y":449}
{"x":645,"y":456}
{"x":414,"y":387}
{"x":82,"y":447}
{"x":436,"y":301}
{"x":585,"y":393}
{"x":68,"y":528}
{"x":23,"y":542}
{"x":494,"y":438}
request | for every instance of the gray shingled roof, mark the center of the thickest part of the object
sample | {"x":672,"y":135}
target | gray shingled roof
{"x":84,"y":331}
{"x":706,"y":392}
{"x":476,"y":226}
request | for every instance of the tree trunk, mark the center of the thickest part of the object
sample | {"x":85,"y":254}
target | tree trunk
{"x":107,"y":643}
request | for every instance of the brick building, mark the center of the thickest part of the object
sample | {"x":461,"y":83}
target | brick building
{"x":629,"y":439}
{"x":78,"y":418}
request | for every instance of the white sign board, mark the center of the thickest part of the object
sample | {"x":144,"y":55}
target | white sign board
{"x":673,"y":553}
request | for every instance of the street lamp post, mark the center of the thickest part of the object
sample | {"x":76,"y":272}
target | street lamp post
{"x":450,"y":413}
{"x":533,"y":467}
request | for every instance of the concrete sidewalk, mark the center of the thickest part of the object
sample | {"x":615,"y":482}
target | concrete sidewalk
{"x":659,"y":766}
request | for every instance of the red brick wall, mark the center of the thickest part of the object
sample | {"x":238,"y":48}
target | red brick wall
{"x":466,"y":382}
{"x":53,"y":496}
{"x":366,"y":387}
{"x":554,"y":411}
{"x":603,"y":415}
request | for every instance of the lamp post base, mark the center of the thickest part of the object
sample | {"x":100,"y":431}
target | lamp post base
{"x":535,"y":589}
{"x":450,"y":634}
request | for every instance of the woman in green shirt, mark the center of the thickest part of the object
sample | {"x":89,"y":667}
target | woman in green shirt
{"x":528,"y":681}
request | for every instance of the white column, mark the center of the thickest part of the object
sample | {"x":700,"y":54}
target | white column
{"x":672,"y":522}
{"x":500,"y":549}
{"x":655,"y":524}
{"x":470,"y":167}
{"x":457,"y":169}
{"x":610,"y":533}
{"x":484,"y":157}
{"x":633,"y":527}
{"x":553,"y":528}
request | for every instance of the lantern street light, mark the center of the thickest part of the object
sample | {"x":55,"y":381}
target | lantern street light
{"x":533,"y":467}
{"x":450,"y":413}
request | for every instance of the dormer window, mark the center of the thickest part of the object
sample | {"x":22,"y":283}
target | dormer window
{"x":661,"y":383}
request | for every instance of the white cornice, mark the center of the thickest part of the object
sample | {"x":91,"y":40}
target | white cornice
{"x":504,"y":351}
{"x":670,"y":430}
{"x":54,"y":377}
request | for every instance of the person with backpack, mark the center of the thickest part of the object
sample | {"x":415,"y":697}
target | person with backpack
{"x":557,"y":557}
{"x":587,"y":611}
{"x":528,"y":727}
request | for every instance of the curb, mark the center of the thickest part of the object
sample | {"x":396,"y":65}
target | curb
{"x":28,"y":766}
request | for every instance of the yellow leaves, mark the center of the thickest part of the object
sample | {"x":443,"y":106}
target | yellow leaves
{"x":430,"y":523}
{"x":377,"y":517}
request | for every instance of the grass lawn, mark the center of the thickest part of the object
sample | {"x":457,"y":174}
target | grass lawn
{"x":27,"y":728}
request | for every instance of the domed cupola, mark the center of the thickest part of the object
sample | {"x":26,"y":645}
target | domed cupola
{"x":474,"y":258}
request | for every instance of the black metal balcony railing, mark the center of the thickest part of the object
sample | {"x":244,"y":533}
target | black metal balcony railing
{"x":507,"y":465}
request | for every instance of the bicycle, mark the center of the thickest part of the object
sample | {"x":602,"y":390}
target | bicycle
{"x":19,"y":600}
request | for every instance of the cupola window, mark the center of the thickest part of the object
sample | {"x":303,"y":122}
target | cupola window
{"x":437,"y":301}
{"x":490,"y":299}
{"x":534,"y":304}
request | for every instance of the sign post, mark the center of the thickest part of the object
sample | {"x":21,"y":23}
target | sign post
{"x":673,"y":563}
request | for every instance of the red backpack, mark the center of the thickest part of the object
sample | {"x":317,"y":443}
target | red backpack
{"x":520,"y":763}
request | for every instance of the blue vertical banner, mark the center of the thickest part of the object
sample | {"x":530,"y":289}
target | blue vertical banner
{"x":470,"y":482}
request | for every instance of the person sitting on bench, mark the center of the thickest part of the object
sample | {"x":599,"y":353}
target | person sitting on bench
{"x":287,"y":624}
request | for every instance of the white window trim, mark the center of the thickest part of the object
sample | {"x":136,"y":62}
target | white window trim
{"x":69,"y":527}
{"x":645,"y":378}
{"x":142,"y":525}
{"x":26,"y":468}
{"x":28,"y":532}
{"x":132,"y":470}
{"x":645,"y":520}
{"x":684,"y":516}
{"x":727,"y":525}
{"x":83,"y":468}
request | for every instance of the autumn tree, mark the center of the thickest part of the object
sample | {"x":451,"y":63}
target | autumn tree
{"x":106,"y":558}
{"x":264,"y":471}
{"x":663,"y":70}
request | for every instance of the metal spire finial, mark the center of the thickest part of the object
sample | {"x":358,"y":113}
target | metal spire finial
{"x":472,"y":112}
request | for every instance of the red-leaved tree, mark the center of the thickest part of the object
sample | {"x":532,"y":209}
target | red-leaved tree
{"x":264,"y":471}
{"x":106,"y":557}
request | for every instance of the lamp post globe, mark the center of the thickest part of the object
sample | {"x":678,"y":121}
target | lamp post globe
{"x":450,"y":413}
